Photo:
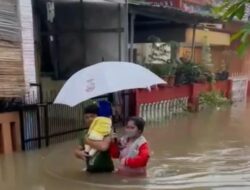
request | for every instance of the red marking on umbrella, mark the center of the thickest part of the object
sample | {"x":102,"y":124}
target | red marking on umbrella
{"x":90,"y":85}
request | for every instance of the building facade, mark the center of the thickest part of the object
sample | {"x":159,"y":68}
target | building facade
{"x":17,"y":64}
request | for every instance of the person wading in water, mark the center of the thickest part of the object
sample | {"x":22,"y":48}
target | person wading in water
{"x":132,"y":149}
{"x":101,"y":161}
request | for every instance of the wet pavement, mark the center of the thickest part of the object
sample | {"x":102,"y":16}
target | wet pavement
{"x":207,"y":150}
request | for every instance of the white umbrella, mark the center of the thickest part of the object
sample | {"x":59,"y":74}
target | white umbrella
{"x":104,"y":78}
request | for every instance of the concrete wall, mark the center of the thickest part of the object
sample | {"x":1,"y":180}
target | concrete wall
{"x":50,"y":88}
{"x":221,"y":55}
{"x":213,"y":38}
{"x":79,"y":49}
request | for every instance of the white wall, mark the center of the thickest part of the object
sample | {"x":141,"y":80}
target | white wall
{"x":27,"y":39}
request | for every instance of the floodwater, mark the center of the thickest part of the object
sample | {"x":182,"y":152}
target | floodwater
{"x":208,"y":150}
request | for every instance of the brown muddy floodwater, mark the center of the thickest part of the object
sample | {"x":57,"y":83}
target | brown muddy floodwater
{"x":208,"y":150}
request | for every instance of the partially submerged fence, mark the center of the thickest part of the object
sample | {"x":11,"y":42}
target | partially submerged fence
{"x":163,"y":109}
{"x":43,"y":124}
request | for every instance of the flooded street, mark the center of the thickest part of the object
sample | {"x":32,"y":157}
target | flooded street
{"x":207,"y":150}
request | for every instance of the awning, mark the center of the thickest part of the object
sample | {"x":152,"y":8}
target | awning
{"x":170,"y":14}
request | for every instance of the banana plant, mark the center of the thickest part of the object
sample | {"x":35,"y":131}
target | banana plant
{"x":228,"y":11}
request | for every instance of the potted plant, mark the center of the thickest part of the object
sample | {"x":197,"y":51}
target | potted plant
{"x":156,"y":68}
{"x":165,"y":71}
{"x":222,"y":74}
{"x":169,"y":70}
{"x":189,"y":73}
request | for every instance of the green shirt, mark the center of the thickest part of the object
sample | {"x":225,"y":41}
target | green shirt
{"x":100,"y":162}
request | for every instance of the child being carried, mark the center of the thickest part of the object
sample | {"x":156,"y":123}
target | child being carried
{"x":99,"y":128}
{"x":101,"y":125}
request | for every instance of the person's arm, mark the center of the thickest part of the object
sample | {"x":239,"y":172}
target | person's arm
{"x":114,"y":150}
{"x":79,"y":153}
{"x":81,"y":139}
{"x":140,"y":160}
{"x":99,"y":145}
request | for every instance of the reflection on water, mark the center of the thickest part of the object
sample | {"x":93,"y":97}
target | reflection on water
{"x":208,"y":150}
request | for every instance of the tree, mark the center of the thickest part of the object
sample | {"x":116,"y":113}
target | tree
{"x":231,"y":9}
{"x":206,"y":54}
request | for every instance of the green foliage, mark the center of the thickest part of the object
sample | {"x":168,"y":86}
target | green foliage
{"x":242,"y":35}
{"x":188,"y":73}
{"x":206,"y":53}
{"x":213,"y":99}
{"x":167,"y":69}
{"x":156,"y":68}
{"x":174,"y":51}
{"x":229,"y":10}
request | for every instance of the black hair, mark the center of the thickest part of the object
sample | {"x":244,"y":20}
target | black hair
{"x":91,"y":109}
{"x":139,"y":123}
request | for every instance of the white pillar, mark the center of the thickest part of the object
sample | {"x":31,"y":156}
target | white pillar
{"x":28,"y":47}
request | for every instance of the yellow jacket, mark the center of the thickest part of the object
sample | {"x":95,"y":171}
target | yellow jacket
{"x":99,"y":128}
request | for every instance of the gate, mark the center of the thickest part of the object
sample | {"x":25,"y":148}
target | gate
{"x":46,"y":124}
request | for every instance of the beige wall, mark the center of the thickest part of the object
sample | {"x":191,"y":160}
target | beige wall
{"x":221,"y":55}
{"x":213,"y":38}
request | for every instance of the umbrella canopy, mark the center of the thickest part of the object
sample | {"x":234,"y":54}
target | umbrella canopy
{"x":104,"y":78}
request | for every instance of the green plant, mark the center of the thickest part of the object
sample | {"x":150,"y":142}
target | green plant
{"x":174,"y":51}
{"x":162,"y":70}
{"x":213,"y":99}
{"x":156,"y":68}
{"x":206,"y":53}
{"x":206,"y":73}
{"x":230,"y":10}
{"x":189,"y":72}
{"x":169,"y":69}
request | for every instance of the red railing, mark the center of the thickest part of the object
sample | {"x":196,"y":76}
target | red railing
{"x":163,"y":92}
